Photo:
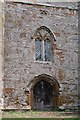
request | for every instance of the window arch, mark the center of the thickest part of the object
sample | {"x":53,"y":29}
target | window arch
{"x":43,"y":44}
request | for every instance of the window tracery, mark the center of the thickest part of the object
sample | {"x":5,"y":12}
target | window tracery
{"x":43,"y":45}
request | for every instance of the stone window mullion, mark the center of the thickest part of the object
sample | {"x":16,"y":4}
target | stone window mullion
{"x":43,"y":50}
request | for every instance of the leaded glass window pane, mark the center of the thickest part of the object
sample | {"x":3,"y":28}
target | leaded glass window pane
{"x":47,"y":50}
{"x":38,"y":48}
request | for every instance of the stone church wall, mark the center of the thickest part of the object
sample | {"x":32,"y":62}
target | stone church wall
{"x":1,"y":55}
{"x":20,"y":67}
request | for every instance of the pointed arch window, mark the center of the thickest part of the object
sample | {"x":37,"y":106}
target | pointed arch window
{"x":43,"y":45}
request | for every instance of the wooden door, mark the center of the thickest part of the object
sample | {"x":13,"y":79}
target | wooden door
{"x":43,"y":94}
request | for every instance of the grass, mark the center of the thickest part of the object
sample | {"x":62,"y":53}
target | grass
{"x":38,"y":115}
{"x":40,"y":119}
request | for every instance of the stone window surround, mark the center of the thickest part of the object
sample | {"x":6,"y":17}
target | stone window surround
{"x":52,"y":39}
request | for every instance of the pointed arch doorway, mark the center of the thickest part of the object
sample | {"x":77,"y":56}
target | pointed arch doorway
{"x":44,"y":93}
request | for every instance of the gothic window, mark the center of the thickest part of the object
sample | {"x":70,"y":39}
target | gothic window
{"x":43,"y":46}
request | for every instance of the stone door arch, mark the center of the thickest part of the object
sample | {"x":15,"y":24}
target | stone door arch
{"x":44,"y":91}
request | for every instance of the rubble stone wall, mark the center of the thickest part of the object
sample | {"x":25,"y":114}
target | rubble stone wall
{"x":20,"y":67}
{"x":1,"y":54}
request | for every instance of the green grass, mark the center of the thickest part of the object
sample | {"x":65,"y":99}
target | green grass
{"x":40,"y":119}
{"x":37,"y":115}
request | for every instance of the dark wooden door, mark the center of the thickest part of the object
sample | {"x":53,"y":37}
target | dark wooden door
{"x":43,"y":96}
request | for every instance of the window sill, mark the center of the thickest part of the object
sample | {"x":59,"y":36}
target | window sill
{"x":43,"y":62}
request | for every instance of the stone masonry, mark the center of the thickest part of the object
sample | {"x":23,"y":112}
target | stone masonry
{"x":1,"y":55}
{"x":20,"y":67}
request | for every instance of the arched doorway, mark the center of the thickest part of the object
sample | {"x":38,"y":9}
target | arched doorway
{"x":44,"y":92}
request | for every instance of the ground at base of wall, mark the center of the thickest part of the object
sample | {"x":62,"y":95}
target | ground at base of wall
{"x":41,"y":119}
{"x":39,"y":114}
